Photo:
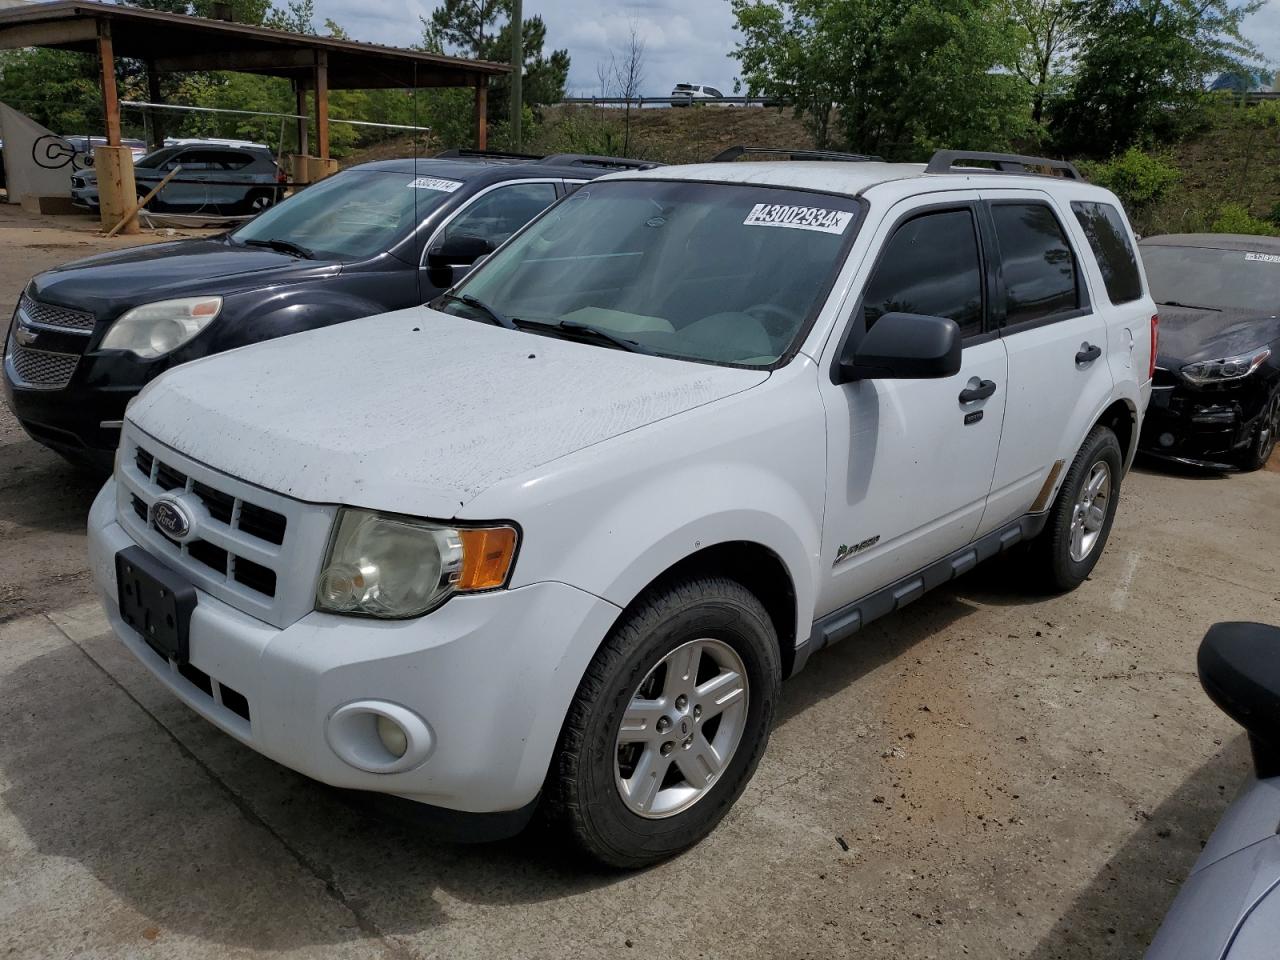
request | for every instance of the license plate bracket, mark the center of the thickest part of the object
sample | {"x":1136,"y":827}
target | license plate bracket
{"x":156,"y":602}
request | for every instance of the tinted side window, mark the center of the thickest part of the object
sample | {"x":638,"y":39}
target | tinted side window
{"x":501,"y":212}
{"x":1110,"y":242}
{"x":930,"y":265}
{"x":1039,"y":267}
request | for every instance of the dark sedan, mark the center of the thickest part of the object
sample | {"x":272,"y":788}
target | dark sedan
{"x":87,"y":336}
{"x":1215,"y":400}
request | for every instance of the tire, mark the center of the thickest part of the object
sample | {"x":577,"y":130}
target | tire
{"x":1058,"y":562}
{"x":258,"y":201}
{"x":713,"y":622}
{"x":1264,"y":438}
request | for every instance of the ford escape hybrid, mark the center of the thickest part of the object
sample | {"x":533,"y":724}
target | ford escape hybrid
{"x":557,"y":537}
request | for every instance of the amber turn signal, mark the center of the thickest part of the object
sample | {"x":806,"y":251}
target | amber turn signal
{"x":487,"y":553}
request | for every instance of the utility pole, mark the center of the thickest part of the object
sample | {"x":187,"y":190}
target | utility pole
{"x":517,"y":71}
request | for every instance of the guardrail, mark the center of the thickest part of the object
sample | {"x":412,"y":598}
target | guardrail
{"x":675,"y":101}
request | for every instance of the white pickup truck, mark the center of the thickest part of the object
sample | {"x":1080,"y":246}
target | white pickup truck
{"x":558,"y":537}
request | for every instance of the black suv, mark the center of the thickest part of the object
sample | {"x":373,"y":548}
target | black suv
{"x":87,"y":336}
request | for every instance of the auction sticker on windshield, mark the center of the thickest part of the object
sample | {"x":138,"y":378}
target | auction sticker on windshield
{"x":798,"y":218}
{"x":435,"y":183}
{"x":1263,"y":257}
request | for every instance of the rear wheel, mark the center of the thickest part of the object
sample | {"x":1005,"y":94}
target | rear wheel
{"x":1265,"y":437}
{"x":259,"y":200}
{"x":1080,"y":520}
{"x":668,"y":724}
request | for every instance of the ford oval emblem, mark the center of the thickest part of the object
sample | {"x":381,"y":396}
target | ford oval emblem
{"x":171,"y":519}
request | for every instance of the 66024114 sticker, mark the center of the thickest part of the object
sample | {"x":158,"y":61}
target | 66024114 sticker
{"x":798,"y":218}
{"x":435,"y":183}
{"x":1263,"y":257}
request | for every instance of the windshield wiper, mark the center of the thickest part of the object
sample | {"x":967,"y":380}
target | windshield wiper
{"x":284,"y":246}
{"x":598,"y":334}
{"x":477,"y":304}
{"x":1187,"y":306}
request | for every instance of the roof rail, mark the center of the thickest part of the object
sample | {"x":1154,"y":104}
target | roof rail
{"x":591,"y":160}
{"x":729,"y":154}
{"x":463,"y":153}
{"x":944,"y":161}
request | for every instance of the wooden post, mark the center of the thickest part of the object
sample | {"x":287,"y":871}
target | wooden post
{"x":482,"y":113}
{"x":157,"y":116}
{"x":517,"y":72}
{"x":110,"y":102}
{"x":300,"y":89}
{"x":322,"y":104}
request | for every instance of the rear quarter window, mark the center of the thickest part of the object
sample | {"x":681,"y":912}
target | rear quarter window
{"x":1109,"y":239}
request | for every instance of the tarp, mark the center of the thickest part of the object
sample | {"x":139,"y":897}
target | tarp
{"x":37,"y":162}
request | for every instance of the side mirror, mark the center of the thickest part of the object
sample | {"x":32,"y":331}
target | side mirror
{"x":458,"y":250}
{"x":904,"y":346}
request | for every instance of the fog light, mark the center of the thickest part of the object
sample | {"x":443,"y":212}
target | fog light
{"x":1166,"y":439}
{"x":392,"y":736}
{"x":378,"y":736}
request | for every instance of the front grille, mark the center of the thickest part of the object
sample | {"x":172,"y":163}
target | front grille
{"x":51,"y":315}
{"x":254,"y":549}
{"x":39,"y":368}
{"x":1165,"y":378}
{"x":223,"y":510}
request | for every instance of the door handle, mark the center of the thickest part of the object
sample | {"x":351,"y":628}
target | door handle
{"x":977,"y":390}
{"x":1088,"y":353}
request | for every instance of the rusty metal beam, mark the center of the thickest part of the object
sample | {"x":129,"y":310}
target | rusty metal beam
{"x":246,"y":61}
{"x":47,"y":34}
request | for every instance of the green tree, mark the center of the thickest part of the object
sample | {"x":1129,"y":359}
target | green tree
{"x":1047,"y":31}
{"x":1140,"y":73}
{"x":898,"y":77}
{"x":56,"y":88}
{"x":482,"y":29}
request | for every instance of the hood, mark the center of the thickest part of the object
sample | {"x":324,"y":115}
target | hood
{"x":107,"y":283}
{"x":414,"y":411}
{"x":1188,"y":334}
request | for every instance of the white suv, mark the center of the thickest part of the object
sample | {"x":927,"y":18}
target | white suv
{"x":559,"y":536}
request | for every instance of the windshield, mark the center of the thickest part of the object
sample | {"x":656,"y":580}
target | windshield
{"x":722,"y":273}
{"x":1204,"y":277}
{"x":157,"y":157}
{"x":351,"y":215}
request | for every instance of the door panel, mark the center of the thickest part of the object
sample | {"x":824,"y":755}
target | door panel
{"x":1057,"y":379}
{"x":493,"y":215}
{"x":909,"y":465}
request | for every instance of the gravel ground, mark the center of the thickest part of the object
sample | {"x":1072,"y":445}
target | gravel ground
{"x":988,"y":774}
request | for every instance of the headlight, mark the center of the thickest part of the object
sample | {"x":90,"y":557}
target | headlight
{"x":391,"y":566}
{"x":1232,"y":368}
{"x":154,"y":329}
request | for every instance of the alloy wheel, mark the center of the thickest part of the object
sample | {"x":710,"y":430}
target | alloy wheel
{"x":681,"y":728}
{"x":1090,"y":511}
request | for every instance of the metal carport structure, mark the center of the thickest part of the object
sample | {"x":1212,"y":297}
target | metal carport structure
{"x":177,"y":43}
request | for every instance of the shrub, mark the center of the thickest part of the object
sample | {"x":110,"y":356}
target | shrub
{"x":1236,"y":218}
{"x":1138,"y":179}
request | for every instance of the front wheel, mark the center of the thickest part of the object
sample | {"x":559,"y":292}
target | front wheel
{"x":1081,"y":517}
{"x":668,"y":724}
{"x":1264,"y":438}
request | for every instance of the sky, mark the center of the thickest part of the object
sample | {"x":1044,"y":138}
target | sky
{"x":686,"y":41}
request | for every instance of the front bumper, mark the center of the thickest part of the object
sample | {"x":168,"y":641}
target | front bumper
{"x":1206,"y":427}
{"x":491,"y":677}
{"x":79,"y":417}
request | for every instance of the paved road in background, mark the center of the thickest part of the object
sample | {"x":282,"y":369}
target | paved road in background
{"x":988,"y":774}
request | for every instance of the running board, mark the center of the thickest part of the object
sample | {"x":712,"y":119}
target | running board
{"x":849,"y":619}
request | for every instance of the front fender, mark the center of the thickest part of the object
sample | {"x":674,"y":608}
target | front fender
{"x":280,"y":311}
{"x":613,"y":518}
